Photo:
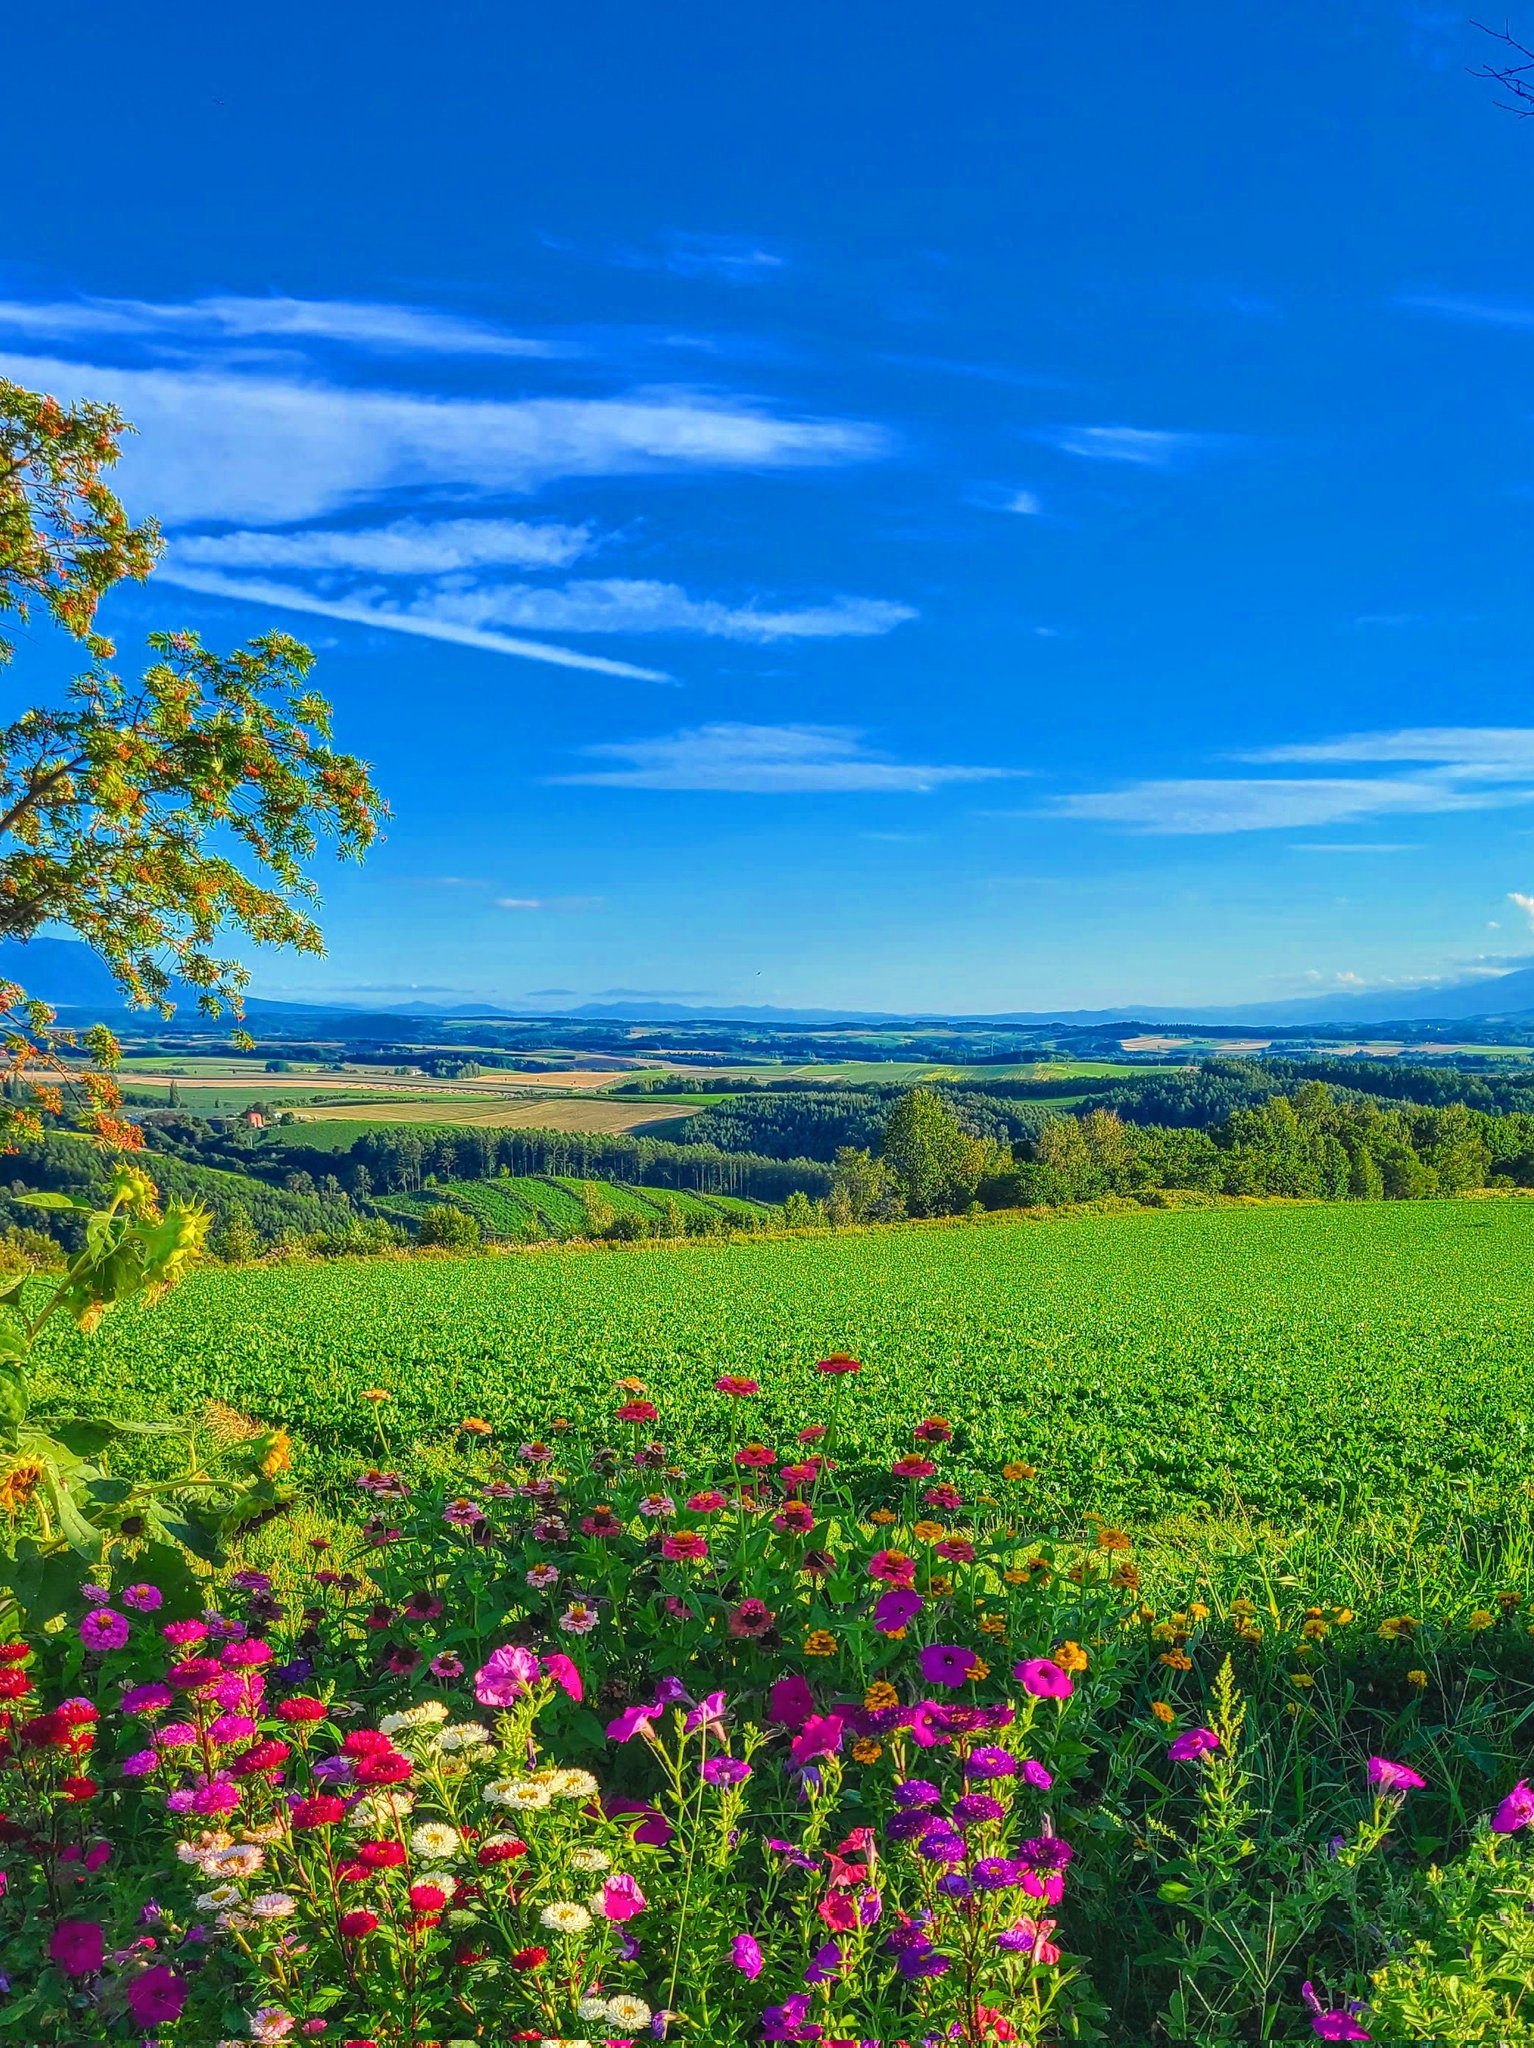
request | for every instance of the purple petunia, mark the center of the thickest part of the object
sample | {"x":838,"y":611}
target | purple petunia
{"x":946,"y":1664}
{"x":896,"y":1608}
{"x":1196,"y":1742}
{"x":746,"y":1955}
{"x":1044,"y":1678}
{"x":725,"y":1770}
{"x":143,"y":1599}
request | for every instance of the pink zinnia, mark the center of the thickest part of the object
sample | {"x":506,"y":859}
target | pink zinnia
{"x":756,"y":1457}
{"x":838,"y":1363}
{"x":732,"y":1383}
{"x":894,"y":1567}
{"x":684,"y":1546}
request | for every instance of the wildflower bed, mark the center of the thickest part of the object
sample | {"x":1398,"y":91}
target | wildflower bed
{"x":595,"y":1742}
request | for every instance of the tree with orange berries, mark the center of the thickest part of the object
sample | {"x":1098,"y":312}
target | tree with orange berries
{"x":152,"y":817}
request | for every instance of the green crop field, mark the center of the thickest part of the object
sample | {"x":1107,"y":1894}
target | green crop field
{"x":1286,"y":1362}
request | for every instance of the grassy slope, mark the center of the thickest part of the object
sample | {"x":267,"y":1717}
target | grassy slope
{"x":1309,"y":1363}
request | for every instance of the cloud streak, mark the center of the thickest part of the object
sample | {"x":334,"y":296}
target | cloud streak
{"x":382,"y":328}
{"x":215,"y":447}
{"x":1145,"y":447}
{"x":633,"y":605}
{"x":286,"y":597}
{"x":407,"y":547}
{"x":765,"y":760}
{"x":1462,"y":768}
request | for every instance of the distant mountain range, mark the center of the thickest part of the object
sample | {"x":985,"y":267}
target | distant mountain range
{"x":75,"y":980}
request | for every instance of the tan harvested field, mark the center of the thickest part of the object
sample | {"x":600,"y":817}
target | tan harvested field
{"x":558,"y":1113}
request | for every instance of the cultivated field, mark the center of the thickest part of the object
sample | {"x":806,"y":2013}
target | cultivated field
{"x":1319,"y":1365}
{"x":544,"y":1113}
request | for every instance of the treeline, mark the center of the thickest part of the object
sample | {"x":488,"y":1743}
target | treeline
{"x":403,"y":1159}
{"x":817,"y":1123}
{"x":1311,"y":1142}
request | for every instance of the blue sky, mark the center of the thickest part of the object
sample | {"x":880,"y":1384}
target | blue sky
{"x":880,"y":507}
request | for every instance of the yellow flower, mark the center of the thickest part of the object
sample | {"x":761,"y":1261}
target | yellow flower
{"x":1301,"y":1678}
{"x":866,"y":1751}
{"x":1164,"y":1712}
{"x":882,"y":1516}
{"x":1291,"y":1706}
{"x":820,"y":1643}
{"x":879,"y":1695}
{"x":978,"y":1670}
{"x":1112,"y":1539}
{"x":994,"y":1624}
{"x":941,"y":1586}
{"x":1508,"y":1601}
{"x":1417,"y":1678}
{"x":928,"y":1532}
{"x":1316,"y":1627}
{"x":1479,"y":1620}
{"x":1071,"y":1657}
{"x":1017,"y":1577}
{"x":1395,"y":1626}
{"x":279,"y":1454}
{"x":475,"y":1425}
{"x":376,"y":1394}
{"x":1165,"y":1632}
{"x":1242,"y":1606}
{"x":1341,"y":1616}
{"x":1016,"y":1471}
{"x":629,"y":1386}
{"x":1198,"y":1611}
{"x":1176,"y":1660}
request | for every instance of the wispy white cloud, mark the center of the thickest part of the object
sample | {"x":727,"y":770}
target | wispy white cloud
{"x":1354,"y":846}
{"x":1148,"y":447}
{"x":1473,"y":312}
{"x":386,"y":329}
{"x":287,"y":597}
{"x":1524,"y":903}
{"x":406,"y":547}
{"x":1462,"y":768}
{"x":633,"y":605}
{"x":765,"y":760}
{"x":549,"y":902}
{"x":1198,"y":806}
{"x":269,"y":451}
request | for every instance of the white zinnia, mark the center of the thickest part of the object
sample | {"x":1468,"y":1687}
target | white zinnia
{"x":565,"y":1917}
{"x":274,"y":1905}
{"x":590,"y":1859}
{"x":436,"y":1842}
{"x":628,"y":2011}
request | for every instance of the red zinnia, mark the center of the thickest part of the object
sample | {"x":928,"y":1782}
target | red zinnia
{"x":639,"y":1411}
{"x":365,"y":1742}
{"x":322,"y":1810}
{"x":381,"y":1855}
{"x":838,"y":1362}
{"x":14,"y":1653}
{"x":732,"y":1383}
{"x":756,"y":1457}
{"x":14,"y":1685}
{"x":529,"y":1958}
{"x":78,"y":1788}
{"x":352,"y":1926}
{"x":795,"y":1515}
{"x":302,"y":1707}
{"x":933,"y":1431}
{"x":392,"y":1769}
{"x":685,"y":1545}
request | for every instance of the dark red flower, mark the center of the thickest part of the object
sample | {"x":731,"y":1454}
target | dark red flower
{"x":352,"y":1926}
{"x":321,"y":1810}
{"x":529,"y":1959}
{"x":501,"y":1852}
{"x":381,"y":1855}
{"x":302,"y":1707}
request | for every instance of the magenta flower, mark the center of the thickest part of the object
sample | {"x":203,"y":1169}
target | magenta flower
{"x":103,"y":1629}
{"x":142,"y":1599}
{"x":821,"y":1735}
{"x":1044,"y":1678}
{"x":790,"y":1703}
{"x":622,"y":1899}
{"x":77,"y":1947}
{"x":708,"y":1713}
{"x":946,"y":1664}
{"x":446,"y":1665}
{"x":633,"y":1721}
{"x":158,"y":1995}
{"x":147,"y":1699}
{"x":1393,"y":1778}
{"x":564,"y":1674}
{"x":1034,"y":1774}
{"x":139,"y":1764}
{"x":746,"y":1955}
{"x":892,"y":1610}
{"x":1196,"y":1742}
{"x":506,"y":1676}
{"x":1516,"y":1810}
{"x":725,"y":1770}
{"x":825,"y":1963}
{"x":1337,"y":2023}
